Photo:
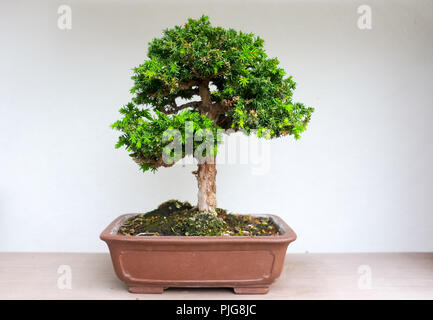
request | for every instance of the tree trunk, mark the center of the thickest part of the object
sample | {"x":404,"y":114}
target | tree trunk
{"x":206,"y":175}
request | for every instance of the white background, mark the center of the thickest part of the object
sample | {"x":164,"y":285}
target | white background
{"x":360,"y":179}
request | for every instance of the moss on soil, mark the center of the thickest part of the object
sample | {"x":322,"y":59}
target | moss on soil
{"x":176,"y":218}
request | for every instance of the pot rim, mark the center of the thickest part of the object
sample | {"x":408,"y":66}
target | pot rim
{"x":110,"y":234}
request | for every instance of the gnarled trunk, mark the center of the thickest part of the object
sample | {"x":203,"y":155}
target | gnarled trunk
{"x":206,"y":175}
{"x":206,"y":172}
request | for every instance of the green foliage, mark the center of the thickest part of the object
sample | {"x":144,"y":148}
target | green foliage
{"x":252,"y":92}
{"x":145,"y":136}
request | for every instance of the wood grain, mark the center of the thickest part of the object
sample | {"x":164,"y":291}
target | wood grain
{"x":305,"y":276}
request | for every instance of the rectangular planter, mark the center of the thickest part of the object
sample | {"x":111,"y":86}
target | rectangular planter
{"x":148,"y":264}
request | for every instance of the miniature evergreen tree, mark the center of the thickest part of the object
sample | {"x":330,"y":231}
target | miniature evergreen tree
{"x":225,"y":80}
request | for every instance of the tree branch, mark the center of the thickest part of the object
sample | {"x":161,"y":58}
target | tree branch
{"x":195,"y":72}
{"x":175,"y":108}
{"x":153,"y":163}
{"x":188,"y":85}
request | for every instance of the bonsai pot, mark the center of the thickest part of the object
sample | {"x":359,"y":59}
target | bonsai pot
{"x":148,"y":264}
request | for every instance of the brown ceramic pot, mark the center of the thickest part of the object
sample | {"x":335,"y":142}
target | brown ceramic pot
{"x":148,"y":264}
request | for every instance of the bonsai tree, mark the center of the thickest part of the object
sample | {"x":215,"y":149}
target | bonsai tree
{"x":199,"y":80}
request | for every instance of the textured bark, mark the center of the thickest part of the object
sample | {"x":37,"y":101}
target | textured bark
{"x":206,"y":179}
{"x":212,"y":109}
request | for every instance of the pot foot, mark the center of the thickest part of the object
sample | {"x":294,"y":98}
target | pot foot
{"x":146,"y":289}
{"x":251,"y":290}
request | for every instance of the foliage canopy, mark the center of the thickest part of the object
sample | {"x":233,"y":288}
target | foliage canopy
{"x":239,"y":87}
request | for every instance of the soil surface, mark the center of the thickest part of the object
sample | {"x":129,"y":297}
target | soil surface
{"x":176,"y":218}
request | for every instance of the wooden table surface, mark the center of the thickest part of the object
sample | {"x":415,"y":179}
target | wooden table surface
{"x":305,"y":276}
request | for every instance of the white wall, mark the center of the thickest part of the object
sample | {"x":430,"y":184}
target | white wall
{"x":360,"y":179}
